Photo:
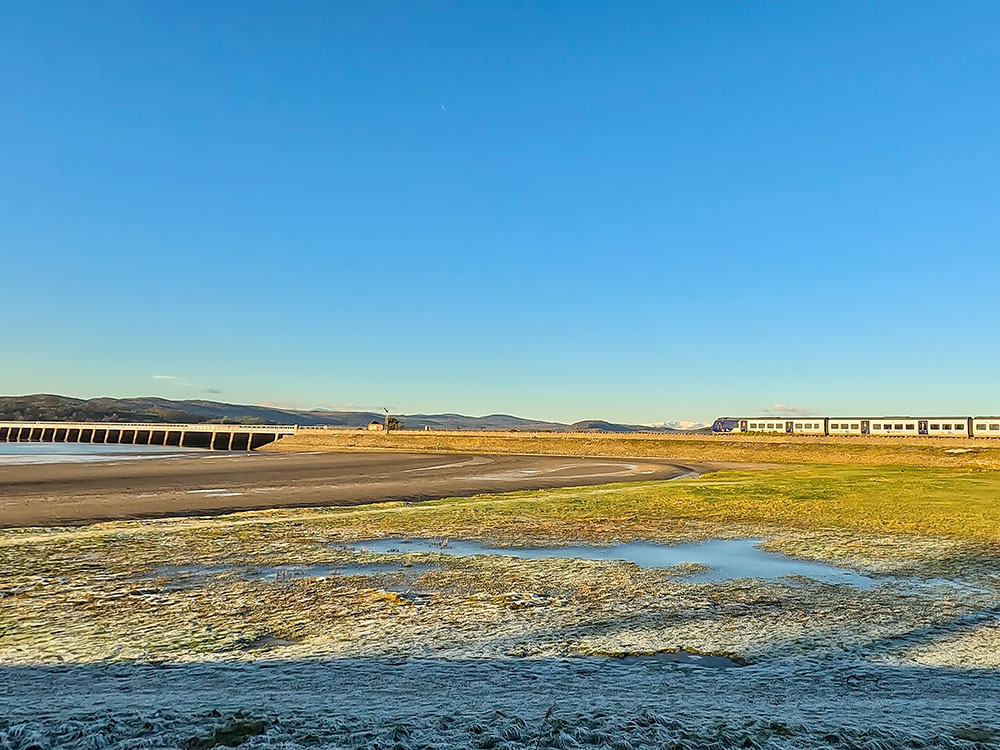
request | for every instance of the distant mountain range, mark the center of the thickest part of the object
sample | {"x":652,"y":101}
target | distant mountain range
{"x":45,"y":407}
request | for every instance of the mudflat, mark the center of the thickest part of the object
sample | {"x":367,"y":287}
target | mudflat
{"x":75,"y":494}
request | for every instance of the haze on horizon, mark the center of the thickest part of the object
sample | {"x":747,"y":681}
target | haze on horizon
{"x":561,"y":212}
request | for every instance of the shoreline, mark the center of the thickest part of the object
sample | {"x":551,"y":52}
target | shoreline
{"x":81,"y":493}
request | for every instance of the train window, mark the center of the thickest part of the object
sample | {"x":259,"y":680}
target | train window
{"x":980,"y":427}
{"x":798,"y":426}
{"x":877,"y":426}
{"x":946,"y":427}
{"x":995,"y":426}
{"x":935,"y":427}
{"x":834,"y":426}
{"x":899,"y":427}
{"x":911,"y":427}
{"x":855,"y":427}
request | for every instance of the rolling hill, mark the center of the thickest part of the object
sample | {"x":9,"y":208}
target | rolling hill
{"x":48,"y":407}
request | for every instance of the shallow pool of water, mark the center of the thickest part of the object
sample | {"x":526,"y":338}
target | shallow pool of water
{"x":726,"y":559}
{"x":61,"y":453}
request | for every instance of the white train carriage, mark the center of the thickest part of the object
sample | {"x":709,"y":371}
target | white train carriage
{"x":945,"y":426}
{"x":986,"y":427}
{"x":894,"y":426}
{"x":775,"y":425}
{"x":886,"y":426}
{"x":767,"y":424}
{"x":848,"y":426}
{"x":809,"y":426}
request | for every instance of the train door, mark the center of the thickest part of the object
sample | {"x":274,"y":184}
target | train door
{"x":922,"y":426}
{"x":743,"y":425}
{"x":865,"y":427}
{"x":789,"y":427}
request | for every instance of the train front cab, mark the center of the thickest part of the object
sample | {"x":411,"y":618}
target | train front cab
{"x":725,"y":424}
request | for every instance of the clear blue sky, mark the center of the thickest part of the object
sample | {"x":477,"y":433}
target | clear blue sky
{"x":639,"y":211}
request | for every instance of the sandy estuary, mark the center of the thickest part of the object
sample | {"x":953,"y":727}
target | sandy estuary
{"x":83,"y":487}
{"x":625,"y":615}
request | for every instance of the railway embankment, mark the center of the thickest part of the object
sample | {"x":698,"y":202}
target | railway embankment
{"x":963,"y":453}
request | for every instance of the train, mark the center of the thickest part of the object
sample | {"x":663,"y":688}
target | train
{"x":888,"y":426}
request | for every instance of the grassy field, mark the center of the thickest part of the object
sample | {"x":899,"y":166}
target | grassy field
{"x":869,"y":451}
{"x":187,"y":588}
{"x":910,"y":500}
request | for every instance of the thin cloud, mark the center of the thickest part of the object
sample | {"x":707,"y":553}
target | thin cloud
{"x":176,"y":380}
{"x":790,"y":410}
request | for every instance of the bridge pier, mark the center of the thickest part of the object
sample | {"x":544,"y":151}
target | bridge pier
{"x":216,"y":437}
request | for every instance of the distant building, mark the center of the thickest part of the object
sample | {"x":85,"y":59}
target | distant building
{"x":375,"y":426}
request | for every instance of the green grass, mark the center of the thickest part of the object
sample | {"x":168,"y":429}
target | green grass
{"x":913,"y":500}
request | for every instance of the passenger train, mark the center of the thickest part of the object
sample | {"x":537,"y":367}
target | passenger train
{"x":889,"y":426}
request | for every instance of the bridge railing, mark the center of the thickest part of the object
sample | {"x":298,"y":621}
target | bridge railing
{"x":198,"y":426}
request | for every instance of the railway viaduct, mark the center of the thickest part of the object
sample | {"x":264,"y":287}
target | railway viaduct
{"x":231,"y":437}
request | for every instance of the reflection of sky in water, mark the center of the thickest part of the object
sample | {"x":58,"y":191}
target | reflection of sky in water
{"x":726,"y":558}
{"x":59,"y":453}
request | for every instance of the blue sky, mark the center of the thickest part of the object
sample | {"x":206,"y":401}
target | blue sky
{"x":565,"y":210}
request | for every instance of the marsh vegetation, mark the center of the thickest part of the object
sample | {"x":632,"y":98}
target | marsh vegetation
{"x":292,"y":588}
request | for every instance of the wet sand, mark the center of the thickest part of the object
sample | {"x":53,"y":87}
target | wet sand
{"x":76,"y":494}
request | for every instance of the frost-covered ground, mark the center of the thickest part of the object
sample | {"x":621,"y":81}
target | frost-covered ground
{"x":180,"y":633}
{"x":498,"y":703}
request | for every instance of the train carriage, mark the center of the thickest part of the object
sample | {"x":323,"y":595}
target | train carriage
{"x":774,"y":425}
{"x":946,"y":426}
{"x":986,"y":427}
{"x":895,"y":426}
{"x":885,"y":426}
{"x":848,"y":425}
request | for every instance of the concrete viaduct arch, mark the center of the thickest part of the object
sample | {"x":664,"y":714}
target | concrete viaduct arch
{"x":210,"y":436}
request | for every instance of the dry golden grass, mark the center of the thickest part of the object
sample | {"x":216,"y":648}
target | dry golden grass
{"x":868,"y":451}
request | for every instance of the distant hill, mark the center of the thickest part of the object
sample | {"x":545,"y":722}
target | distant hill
{"x":47,"y":407}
